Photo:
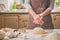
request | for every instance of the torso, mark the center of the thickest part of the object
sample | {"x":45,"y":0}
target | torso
{"x":39,"y":6}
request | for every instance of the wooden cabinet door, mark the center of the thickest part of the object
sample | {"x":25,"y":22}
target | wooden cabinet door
{"x":11,"y":21}
{"x":0,"y":21}
{"x":57,"y":21}
{"x":23,"y":20}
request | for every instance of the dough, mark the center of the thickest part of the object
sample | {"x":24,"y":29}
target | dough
{"x":38,"y":30}
{"x":5,"y":29}
{"x":53,"y":36}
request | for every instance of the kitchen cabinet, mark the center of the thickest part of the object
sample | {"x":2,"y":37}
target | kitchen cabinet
{"x":56,"y":20}
{"x":14,"y":20}
{"x":20,"y":20}
{"x":25,"y":20}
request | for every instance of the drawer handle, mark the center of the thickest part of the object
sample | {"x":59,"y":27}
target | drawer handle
{"x":24,"y":20}
{"x":54,"y":19}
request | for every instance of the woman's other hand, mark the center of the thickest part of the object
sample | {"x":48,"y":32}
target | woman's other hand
{"x":38,"y":19}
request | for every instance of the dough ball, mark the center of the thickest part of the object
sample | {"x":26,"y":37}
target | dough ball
{"x":38,"y":30}
{"x":6,"y":29}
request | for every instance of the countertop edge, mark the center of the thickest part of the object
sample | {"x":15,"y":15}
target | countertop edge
{"x":24,"y":12}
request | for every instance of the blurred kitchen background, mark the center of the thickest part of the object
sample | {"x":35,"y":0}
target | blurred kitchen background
{"x":14,"y":14}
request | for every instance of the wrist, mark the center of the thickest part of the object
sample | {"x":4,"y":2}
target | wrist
{"x":34,"y":15}
{"x":41,"y":15}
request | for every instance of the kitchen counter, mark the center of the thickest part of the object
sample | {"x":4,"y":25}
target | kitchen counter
{"x":55,"y":10}
{"x":24,"y":12}
{"x":30,"y":36}
{"x":16,"y":11}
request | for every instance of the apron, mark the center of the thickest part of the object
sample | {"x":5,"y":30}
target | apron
{"x":39,"y":6}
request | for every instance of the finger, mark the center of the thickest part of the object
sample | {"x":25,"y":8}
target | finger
{"x":36,"y":22}
{"x":42,"y":22}
{"x":33,"y":22}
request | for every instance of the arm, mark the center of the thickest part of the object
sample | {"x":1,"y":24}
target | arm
{"x":30,"y":10}
{"x":32,"y":13}
{"x":48,"y":10}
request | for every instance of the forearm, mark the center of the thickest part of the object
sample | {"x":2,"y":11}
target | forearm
{"x":46,"y":12}
{"x":31,"y":12}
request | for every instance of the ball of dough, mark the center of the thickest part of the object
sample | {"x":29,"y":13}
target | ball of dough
{"x":6,"y":29}
{"x":38,"y":30}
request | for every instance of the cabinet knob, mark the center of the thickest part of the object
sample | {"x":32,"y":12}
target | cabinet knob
{"x":24,"y":20}
{"x":19,"y":19}
{"x":54,"y":19}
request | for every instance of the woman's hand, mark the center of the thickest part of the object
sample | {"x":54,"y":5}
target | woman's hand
{"x":41,"y":20}
{"x":38,"y":19}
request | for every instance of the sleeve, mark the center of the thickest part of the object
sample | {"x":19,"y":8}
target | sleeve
{"x":28,"y":4}
{"x":51,"y":4}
